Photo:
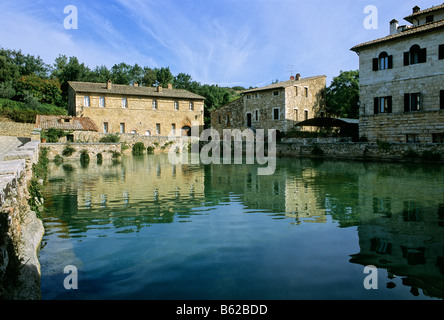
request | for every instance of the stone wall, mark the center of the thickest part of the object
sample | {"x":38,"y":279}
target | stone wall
{"x":106,"y":149}
{"x":16,"y":129}
{"x":20,"y":229}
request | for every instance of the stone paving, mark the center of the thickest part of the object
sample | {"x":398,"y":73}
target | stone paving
{"x":8,"y":143}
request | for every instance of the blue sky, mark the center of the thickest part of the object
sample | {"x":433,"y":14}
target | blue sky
{"x":225,"y":42}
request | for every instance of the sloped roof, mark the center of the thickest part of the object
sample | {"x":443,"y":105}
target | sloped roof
{"x":118,"y":89}
{"x":67,"y":123}
{"x":410,"y":18}
{"x":412,"y":30}
{"x":282,"y":84}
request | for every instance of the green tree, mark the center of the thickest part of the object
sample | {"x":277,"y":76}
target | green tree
{"x":342,"y":96}
{"x":149,"y":77}
{"x":120,"y":73}
{"x":164,"y":76}
{"x":44,"y":90}
{"x":182,"y":81}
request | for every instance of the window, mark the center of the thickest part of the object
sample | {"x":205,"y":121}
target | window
{"x":155,"y":106}
{"x":227,"y":120}
{"x":176,"y":105}
{"x":122,"y":128}
{"x":306,"y":92}
{"x":438,"y":138}
{"x":219,"y":120}
{"x":248,"y":97}
{"x":383,"y":105}
{"x":441,"y":52}
{"x":256,"y":96}
{"x":383,"y":62}
{"x":86,"y":101}
{"x":102,"y":102}
{"x":305,"y":114}
{"x":441,"y":99}
{"x":157,"y":128}
{"x":412,"y":138}
{"x":147,"y":132}
{"x":105,"y":127}
{"x":275,"y":113}
{"x":430,"y":18}
{"x":256,"y":115}
{"x":412,"y":102}
{"x":296,"y":116}
{"x":191,"y":105}
{"x":173,"y":128}
{"x":415,"y":55}
{"x":296,"y":90}
{"x":275,"y":93}
{"x":124,"y":103}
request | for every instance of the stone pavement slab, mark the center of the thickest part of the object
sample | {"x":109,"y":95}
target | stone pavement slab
{"x":8,"y":143}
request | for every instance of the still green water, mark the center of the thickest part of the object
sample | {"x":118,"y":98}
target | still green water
{"x":147,"y":229}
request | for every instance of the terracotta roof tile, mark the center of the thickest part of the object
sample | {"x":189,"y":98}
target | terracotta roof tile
{"x":92,"y":87}
{"x":409,"y":18}
{"x":282,"y":84}
{"x":412,"y":30}
{"x":66,"y":123}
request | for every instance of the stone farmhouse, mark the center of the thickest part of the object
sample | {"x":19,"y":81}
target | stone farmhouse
{"x":74,"y":126}
{"x":279,"y":106}
{"x":135,"y":109}
{"x":402,"y":80}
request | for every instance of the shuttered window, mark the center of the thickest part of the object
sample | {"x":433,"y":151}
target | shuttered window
{"x":383,"y":105}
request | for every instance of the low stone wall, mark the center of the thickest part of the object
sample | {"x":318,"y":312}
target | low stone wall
{"x":106,"y":149}
{"x":383,"y":151}
{"x":20,"y":229}
{"x":16,"y":129}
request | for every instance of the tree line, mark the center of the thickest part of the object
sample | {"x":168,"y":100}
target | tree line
{"x":29,"y":86}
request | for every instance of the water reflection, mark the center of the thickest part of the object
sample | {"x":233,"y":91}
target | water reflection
{"x":398,"y":210}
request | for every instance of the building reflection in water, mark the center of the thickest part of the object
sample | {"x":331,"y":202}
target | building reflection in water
{"x":398,"y":210}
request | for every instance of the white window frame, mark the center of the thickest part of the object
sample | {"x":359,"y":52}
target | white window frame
{"x":86,"y":101}
{"x":157,"y":128}
{"x":102,"y":102}
{"x":173,"y":128}
{"x":176,"y":105}
{"x":122,"y":127}
{"x":105,"y":127}
{"x":155,"y":105}
{"x":279,"y":114}
{"x":191,"y":106}
{"x":124,"y":103}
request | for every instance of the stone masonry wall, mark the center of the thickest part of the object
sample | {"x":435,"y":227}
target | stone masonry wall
{"x":106,"y":149}
{"x":20,"y":229}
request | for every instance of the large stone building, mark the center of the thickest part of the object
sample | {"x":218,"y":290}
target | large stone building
{"x":279,"y":106}
{"x":135,"y":109}
{"x":402,"y":80}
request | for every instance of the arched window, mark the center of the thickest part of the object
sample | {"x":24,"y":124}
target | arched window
{"x":415,"y":55}
{"x":383,"y":61}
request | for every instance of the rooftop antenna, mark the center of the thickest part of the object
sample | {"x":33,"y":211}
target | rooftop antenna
{"x":291,"y":68}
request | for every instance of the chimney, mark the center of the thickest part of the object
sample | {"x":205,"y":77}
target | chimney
{"x":136,"y":84}
{"x":170,"y":86}
{"x":291,"y":77}
{"x":109,"y":85}
{"x":298,"y":77}
{"x":159,"y":88}
{"x":393,"y":26}
{"x":416,"y":9}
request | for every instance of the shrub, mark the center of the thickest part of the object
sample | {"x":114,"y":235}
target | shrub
{"x":150,"y":149}
{"x":53,"y":135}
{"x":316,"y":151}
{"x":84,"y":157}
{"x":99,"y":158}
{"x":110,"y":138}
{"x":68,"y":151}
{"x":58,"y":159}
{"x":138,"y":148}
{"x":383,"y":145}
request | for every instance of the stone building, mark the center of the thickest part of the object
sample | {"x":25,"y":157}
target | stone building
{"x":73,"y":126}
{"x":135,"y":109}
{"x":402,"y":80}
{"x":279,"y":106}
